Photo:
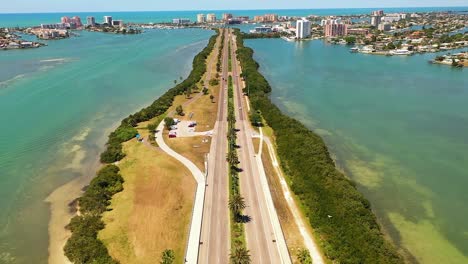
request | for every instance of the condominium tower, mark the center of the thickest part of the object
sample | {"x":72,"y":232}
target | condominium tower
{"x":303,"y":28}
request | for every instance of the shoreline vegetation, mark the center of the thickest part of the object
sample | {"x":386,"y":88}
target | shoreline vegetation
{"x":340,"y":215}
{"x":84,"y":246}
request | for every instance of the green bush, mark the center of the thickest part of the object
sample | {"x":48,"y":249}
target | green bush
{"x":351,"y":234}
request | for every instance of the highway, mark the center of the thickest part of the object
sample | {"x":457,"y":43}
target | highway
{"x":265,"y":239}
{"x":215,"y":233}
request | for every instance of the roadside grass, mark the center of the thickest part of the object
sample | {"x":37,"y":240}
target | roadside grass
{"x":204,"y":111}
{"x":153,"y":211}
{"x":291,"y":231}
{"x":256,"y":143}
{"x":269,"y":132}
{"x":193,"y":148}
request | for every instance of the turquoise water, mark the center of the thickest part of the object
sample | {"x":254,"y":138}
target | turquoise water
{"x":13,"y":20}
{"x":396,"y":125}
{"x":57,"y":105}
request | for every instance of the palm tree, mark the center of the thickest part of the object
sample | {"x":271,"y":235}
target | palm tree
{"x":240,"y":256}
{"x":237,"y":204}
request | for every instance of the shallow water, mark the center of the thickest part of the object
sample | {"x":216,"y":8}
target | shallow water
{"x":397,"y":125}
{"x":57,"y":105}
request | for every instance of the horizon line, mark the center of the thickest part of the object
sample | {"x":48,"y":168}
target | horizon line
{"x":255,"y":9}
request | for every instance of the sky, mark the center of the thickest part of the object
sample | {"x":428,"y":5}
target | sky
{"x":38,"y":6}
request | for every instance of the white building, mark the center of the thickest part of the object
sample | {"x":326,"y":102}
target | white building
{"x":91,"y":21}
{"x":201,"y":18}
{"x":211,"y":18}
{"x":180,"y":21}
{"x":108,"y":20}
{"x":303,"y":28}
{"x":385,"y":27}
{"x":117,"y":23}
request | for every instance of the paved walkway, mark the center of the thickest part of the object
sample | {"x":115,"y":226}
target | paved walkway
{"x":191,"y":255}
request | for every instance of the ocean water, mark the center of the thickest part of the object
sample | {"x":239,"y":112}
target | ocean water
{"x":58,"y":104}
{"x":396,"y":125}
{"x":22,"y":20}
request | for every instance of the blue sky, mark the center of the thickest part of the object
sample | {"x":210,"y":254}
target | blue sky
{"x":32,"y":6}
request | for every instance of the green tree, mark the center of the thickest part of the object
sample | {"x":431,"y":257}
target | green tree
{"x":350,"y":39}
{"x":152,"y":127}
{"x":168,"y":256}
{"x":237,"y":204}
{"x":188,"y":92}
{"x":212,"y":98}
{"x":180,"y":110}
{"x":205,"y":90}
{"x":255,"y":118}
{"x":391,"y":46}
{"x":168,"y":122}
{"x":240,"y":255}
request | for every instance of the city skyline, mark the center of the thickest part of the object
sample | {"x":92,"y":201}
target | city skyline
{"x":48,"y":6}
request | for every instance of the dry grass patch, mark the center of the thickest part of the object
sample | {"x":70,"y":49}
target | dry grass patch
{"x":153,"y":211}
{"x":193,"y":148}
{"x":204,"y":111}
{"x":291,"y":232}
{"x":256,"y":143}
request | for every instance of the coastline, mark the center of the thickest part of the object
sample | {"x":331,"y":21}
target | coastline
{"x":62,"y":200}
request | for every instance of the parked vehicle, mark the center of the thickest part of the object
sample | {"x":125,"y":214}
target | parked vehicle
{"x":172,"y":134}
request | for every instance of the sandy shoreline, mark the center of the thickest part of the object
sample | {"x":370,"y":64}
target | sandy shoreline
{"x":61,"y":198}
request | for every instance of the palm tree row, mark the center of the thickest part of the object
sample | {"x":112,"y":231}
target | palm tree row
{"x":239,"y":252}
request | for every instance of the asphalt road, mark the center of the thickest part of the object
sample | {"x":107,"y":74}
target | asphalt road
{"x":215,"y":234}
{"x":265,"y":239}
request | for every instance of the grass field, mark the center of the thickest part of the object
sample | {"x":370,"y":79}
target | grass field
{"x":193,"y":148}
{"x":153,"y":211}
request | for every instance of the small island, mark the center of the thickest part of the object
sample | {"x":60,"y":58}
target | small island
{"x":458,"y":60}
{"x":9,"y":40}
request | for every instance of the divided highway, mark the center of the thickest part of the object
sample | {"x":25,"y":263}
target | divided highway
{"x":215,"y":233}
{"x":265,"y":239}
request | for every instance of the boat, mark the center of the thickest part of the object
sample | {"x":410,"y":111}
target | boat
{"x":288,"y":39}
{"x":367,"y":49}
{"x":354,"y":50}
{"x":401,"y":52}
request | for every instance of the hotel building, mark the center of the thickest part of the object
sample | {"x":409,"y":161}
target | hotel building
{"x":201,"y":18}
{"x":211,"y":18}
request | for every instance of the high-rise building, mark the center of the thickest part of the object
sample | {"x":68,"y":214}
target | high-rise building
{"x":376,"y":17}
{"x":270,"y":17}
{"x":303,"y":28}
{"x":117,"y":23}
{"x":375,"y":20}
{"x":180,"y":21}
{"x":77,"y":21}
{"x":211,"y":18}
{"x":227,"y":16}
{"x":335,"y":30}
{"x":65,"y":20}
{"x":330,"y":22}
{"x":91,"y":21}
{"x":201,"y":18}
{"x":108,"y":20}
{"x":377,"y":13}
{"x":385,"y":27}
